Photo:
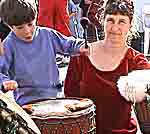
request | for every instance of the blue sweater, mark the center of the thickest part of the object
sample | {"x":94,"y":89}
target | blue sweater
{"x":33,"y":65}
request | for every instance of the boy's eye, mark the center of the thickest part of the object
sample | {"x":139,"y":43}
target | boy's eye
{"x":20,"y":27}
{"x":30,"y":24}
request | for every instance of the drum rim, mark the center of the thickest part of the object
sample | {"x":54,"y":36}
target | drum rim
{"x":84,"y":112}
{"x":76,"y":114}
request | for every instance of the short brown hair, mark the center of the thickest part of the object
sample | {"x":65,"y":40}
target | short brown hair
{"x":17,"y":12}
{"x":122,"y":7}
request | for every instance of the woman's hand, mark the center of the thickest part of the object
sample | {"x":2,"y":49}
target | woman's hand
{"x":84,"y":50}
{"x":10,"y":85}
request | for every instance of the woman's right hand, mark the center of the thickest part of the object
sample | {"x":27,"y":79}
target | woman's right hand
{"x":10,"y":85}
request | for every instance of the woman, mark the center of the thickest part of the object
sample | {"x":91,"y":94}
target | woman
{"x":55,"y":14}
{"x":95,"y":76}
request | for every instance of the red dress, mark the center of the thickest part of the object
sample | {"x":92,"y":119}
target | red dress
{"x":54,"y":14}
{"x":113,"y":112}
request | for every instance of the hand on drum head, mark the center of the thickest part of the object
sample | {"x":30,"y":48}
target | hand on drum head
{"x":10,"y":85}
{"x":28,"y":108}
{"x":85,"y":51}
{"x":84,"y":103}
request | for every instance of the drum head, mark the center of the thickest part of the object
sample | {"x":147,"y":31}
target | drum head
{"x":61,"y":108}
{"x":13,"y":106}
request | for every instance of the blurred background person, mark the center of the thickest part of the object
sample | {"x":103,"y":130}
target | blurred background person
{"x":75,"y":14}
{"x":55,"y":14}
{"x":138,"y":43}
{"x":91,"y":30}
{"x":95,"y":15}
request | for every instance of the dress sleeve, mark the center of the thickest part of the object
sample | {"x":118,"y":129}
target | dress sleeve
{"x":73,"y":78}
{"x":140,"y":62}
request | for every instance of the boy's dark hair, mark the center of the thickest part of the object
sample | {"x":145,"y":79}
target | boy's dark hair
{"x":17,"y":12}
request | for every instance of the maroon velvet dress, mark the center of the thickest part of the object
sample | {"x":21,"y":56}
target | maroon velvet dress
{"x":113,"y":112}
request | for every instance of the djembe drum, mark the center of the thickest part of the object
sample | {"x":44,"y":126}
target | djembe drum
{"x":64,"y":116}
{"x":13,"y":119}
{"x":135,"y":87}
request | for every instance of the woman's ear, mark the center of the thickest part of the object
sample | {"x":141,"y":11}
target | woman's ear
{"x":131,"y":26}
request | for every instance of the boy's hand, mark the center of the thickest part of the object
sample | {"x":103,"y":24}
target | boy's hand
{"x":10,"y":85}
{"x":84,"y":50}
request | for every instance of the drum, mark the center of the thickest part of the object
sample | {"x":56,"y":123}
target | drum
{"x":64,"y":116}
{"x":13,"y":119}
{"x":142,"y":111}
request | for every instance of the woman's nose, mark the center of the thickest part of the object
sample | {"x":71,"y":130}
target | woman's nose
{"x":115,"y":27}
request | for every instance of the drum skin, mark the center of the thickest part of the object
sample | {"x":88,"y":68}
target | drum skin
{"x":77,"y":122}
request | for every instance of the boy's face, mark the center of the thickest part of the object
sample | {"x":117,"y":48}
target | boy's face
{"x":25,"y":31}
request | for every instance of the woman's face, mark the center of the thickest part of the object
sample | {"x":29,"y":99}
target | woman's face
{"x":25,"y":31}
{"x":116,"y":27}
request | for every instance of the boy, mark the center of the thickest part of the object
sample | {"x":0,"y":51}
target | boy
{"x":29,"y":56}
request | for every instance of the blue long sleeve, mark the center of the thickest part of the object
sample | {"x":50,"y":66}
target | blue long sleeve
{"x":33,"y":65}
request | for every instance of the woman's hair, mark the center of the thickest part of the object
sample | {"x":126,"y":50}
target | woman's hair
{"x":122,"y":7}
{"x":17,"y":12}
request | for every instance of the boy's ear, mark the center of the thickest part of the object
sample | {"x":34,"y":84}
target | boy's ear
{"x":1,"y":47}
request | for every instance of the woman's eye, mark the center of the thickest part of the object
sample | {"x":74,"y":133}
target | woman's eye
{"x":122,"y":22}
{"x":110,"y":20}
